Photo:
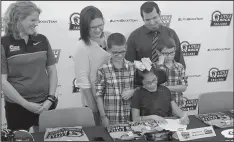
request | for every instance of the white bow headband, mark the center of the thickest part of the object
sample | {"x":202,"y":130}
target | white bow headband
{"x":145,"y":63}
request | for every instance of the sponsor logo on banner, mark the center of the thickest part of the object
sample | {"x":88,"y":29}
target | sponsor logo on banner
{"x":123,"y":20}
{"x":56,"y":54}
{"x":166,"y":20}
{"x":74,"y":21}
{"x":189,"y":104}
{"x":189,"y":49}
{"x":219,"y":49}
{"x":75,"y":86}
{"x":216,"y":75}
{"x":219,"y":19}
{"x":47,"y":21}
{"x":190,"y":19}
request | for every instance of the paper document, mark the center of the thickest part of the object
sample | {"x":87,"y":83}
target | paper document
{"x":173,"y":125}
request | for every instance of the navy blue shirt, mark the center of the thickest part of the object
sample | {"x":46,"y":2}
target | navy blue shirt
{"x":153,"y":103}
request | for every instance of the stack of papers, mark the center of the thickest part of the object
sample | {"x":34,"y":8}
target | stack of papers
{"x":173,"y":125}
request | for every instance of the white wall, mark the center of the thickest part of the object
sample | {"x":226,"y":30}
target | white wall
{"x":194,"y":31}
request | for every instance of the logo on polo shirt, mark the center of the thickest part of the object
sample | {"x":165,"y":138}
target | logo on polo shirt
{"x":216,"y":75}
{"x":14,"y":48}
{"x":219,"y":19}
{"x":56,"y":54}
{"x":36,"y":43}
{"x":189,"y":49}
{"x":189,"y":104}
{"x":75,"y":86}
{"x":74,"y":21}
{"x":166,"y":20}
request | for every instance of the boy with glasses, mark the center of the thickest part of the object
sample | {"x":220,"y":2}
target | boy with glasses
{"x":115,"y":83}
{"x":177,"y":81}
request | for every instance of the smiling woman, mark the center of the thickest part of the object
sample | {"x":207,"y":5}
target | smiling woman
{"x":29,"y":75}
{"x":90,"y":54}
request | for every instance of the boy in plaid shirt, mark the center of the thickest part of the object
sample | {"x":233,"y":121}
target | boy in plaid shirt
{"x":115,"y":83}
{"x":177,"y":81}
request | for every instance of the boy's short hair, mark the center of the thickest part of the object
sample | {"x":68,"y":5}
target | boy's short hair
{"x":160,"y":74}
{"x":116,"y":39}
{"x":166,"y":42}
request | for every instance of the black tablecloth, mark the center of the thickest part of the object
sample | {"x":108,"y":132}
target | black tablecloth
{"x":100,"y":131}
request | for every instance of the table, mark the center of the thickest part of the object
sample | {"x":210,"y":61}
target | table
{"x":100,"y":131}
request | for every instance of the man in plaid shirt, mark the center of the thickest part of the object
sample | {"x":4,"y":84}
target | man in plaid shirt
{"x":177,"y":81}
{"x":115,"y":83}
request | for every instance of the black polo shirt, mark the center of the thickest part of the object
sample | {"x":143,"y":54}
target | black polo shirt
{"x":25,"y":65}
{"x":139,"y":43}
{"x":153,"y":103}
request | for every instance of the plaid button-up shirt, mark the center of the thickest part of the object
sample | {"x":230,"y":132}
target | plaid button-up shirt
{"x":176,"y":76}
{"x":110,"y":84}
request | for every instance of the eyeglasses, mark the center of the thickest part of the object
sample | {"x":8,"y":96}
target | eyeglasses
{"x":155,"y":80}
{"x":118,"y":53}
{"x":100,"y":27}
{"x":169,"y":53}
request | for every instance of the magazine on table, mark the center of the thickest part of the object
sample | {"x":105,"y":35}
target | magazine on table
{"x":122,"y":132}
{"x":218,"y":119}
{"x":150,"y":130}
{"x":65,"y":134}
{"x":144,"y":126}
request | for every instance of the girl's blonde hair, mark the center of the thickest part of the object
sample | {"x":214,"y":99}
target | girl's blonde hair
{"x":15,"y":13}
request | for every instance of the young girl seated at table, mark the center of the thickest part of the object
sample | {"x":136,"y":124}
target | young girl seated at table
{"x":153,"y":101}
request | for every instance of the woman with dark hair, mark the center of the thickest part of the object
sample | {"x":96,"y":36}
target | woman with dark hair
{"x":90,"y":55}
{"x":28,"y":71}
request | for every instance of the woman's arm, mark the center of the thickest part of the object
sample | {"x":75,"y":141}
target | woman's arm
{"x":53,"y":79}
{"x":11,"y":92}
{"x":82,"y":70}
{"x":53,"y":82}
{"x":14,"y":96}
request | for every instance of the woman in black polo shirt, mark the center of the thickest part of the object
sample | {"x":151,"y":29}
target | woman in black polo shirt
{"x":29,"y":76}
